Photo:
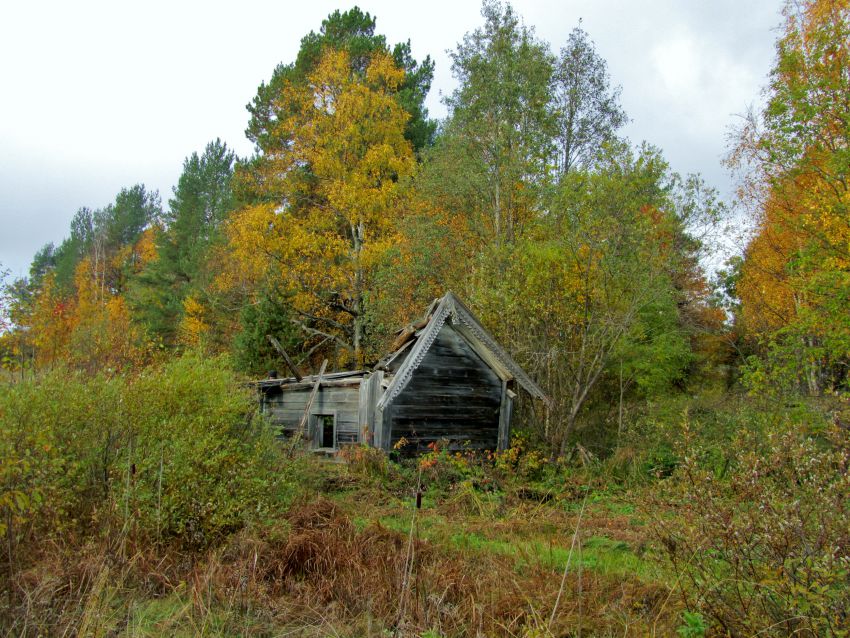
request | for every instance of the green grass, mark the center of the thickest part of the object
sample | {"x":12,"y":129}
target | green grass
{"x":470,"y":522}
{"x":175,"y":615}
{"x":549,"y":549}
{"x":598,"y":553}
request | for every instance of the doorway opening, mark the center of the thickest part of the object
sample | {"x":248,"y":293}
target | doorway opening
{"x":326,"y":430}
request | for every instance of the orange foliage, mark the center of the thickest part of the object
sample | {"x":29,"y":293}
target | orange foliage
{"x":795,"y":272}
{"x":766,"y":288}
{"x":90,"y":329}
{"x":194,"y":325}
{"x":51,"y":324}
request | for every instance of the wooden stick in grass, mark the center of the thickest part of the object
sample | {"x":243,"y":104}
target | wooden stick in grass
{"x":567,"y":566}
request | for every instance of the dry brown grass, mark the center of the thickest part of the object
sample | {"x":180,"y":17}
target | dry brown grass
{"x":317,"y":573}
{"x":355,"y":577}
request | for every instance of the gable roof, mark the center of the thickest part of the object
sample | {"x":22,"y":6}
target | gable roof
{"x":423,"y":333}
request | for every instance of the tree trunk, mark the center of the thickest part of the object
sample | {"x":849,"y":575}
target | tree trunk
{"x":620,"y":411}
{"x":497,"y":212}
{"x":357,"y":232}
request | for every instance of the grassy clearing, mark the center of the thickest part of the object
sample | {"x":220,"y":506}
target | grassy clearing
{"x":612,"y":539}
{"x":343,"y":563}
{"x":541,"y":546}
{"x":151,"y":522}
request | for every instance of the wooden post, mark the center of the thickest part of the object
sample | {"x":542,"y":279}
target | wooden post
{"x":289,"y":364}
{"x":505,"y":410}
{"x":305,"y":417}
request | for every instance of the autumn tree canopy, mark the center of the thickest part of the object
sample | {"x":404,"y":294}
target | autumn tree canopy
{"x":355,"y":210}
{"x":795,"y":279}
{"x":339,"y":179}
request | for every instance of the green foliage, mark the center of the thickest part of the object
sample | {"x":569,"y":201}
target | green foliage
{"x":202,"y":200}
{"x":793,"y":362}
{"x":757,"y":551}
{"x":205,"y":464}
{"x":354,"y":32}
{"x":366,"y":461}
{"x":6,"y":300}
{"x":580,"y":252}
{"x":794,"y":282}
{"x":43,"y":262}
{"x":175,"y":454}
{"x":442,"y":468}
{"x":492,"y":151}
{"x":100,"y":235}
{"x":520,"y":461}
{"x":586,"y":110}
{"x":693,"y":627}
{"x":270,"y":315}
{"x":600,"y":299}
{"x":134,"y":210}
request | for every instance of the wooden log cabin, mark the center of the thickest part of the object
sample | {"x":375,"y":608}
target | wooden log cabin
{"x":445,"y":379}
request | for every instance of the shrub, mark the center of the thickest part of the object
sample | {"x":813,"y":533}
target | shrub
{"x":440,"y":466}
{"x":766,"y":550}
{"x":174,"y":454}
{"x":520,"y":460}
{"x":366,"y":460}
{"x":205,"y":464}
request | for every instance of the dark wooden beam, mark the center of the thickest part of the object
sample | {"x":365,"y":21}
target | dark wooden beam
{"x":313,"y":392}
{"x":505,"y":410}
{"x":289,"y":364}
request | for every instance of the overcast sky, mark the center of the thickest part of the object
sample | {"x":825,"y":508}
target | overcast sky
{"x":101,"y":95}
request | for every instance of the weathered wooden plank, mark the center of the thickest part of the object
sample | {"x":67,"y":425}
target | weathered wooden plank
{"x":352,"y":376}
{"x":487,"y":357}
{"x":347,"y":402}
{"x":286,"y":416}
{"x":329,"y":396}
{"x":348,"y":427}
{"x":293,"y":400}
{"x":459,"y":413}
{"x":448,"y":426}
{"x":451,"y":373}
{"x":449,"y":393}
{"x":289,"y":395}
{"x":363,"y":402}
{"x":434,"y":423}
{"x":326,"y":407}
{"x":375,"y":392}
{"x":346,"y":438}
{"x":452,"y":354}
{"x":505,"y":418}
{"x":453,"y":396}
{"x":347,"y":410}
{"x":438,"y":429}
{"x":315,"y":390}
{"x":459,"y":437}
{"x":478,"y":401}
{"x":386,"y":427}
{"x":451,"y":382}
{"x":420,"y":444}
{"x":306,"y":386}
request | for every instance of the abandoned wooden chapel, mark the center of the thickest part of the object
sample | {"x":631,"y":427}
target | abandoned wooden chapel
{"x":445,"y":379}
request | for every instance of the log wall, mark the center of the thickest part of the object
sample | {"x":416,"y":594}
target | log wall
{"x":285,"y":409}
{"x":453,"y":395}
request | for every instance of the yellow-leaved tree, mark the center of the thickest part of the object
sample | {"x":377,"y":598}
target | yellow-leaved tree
{"x":337,"y":185}
{"x":795,"y":278}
